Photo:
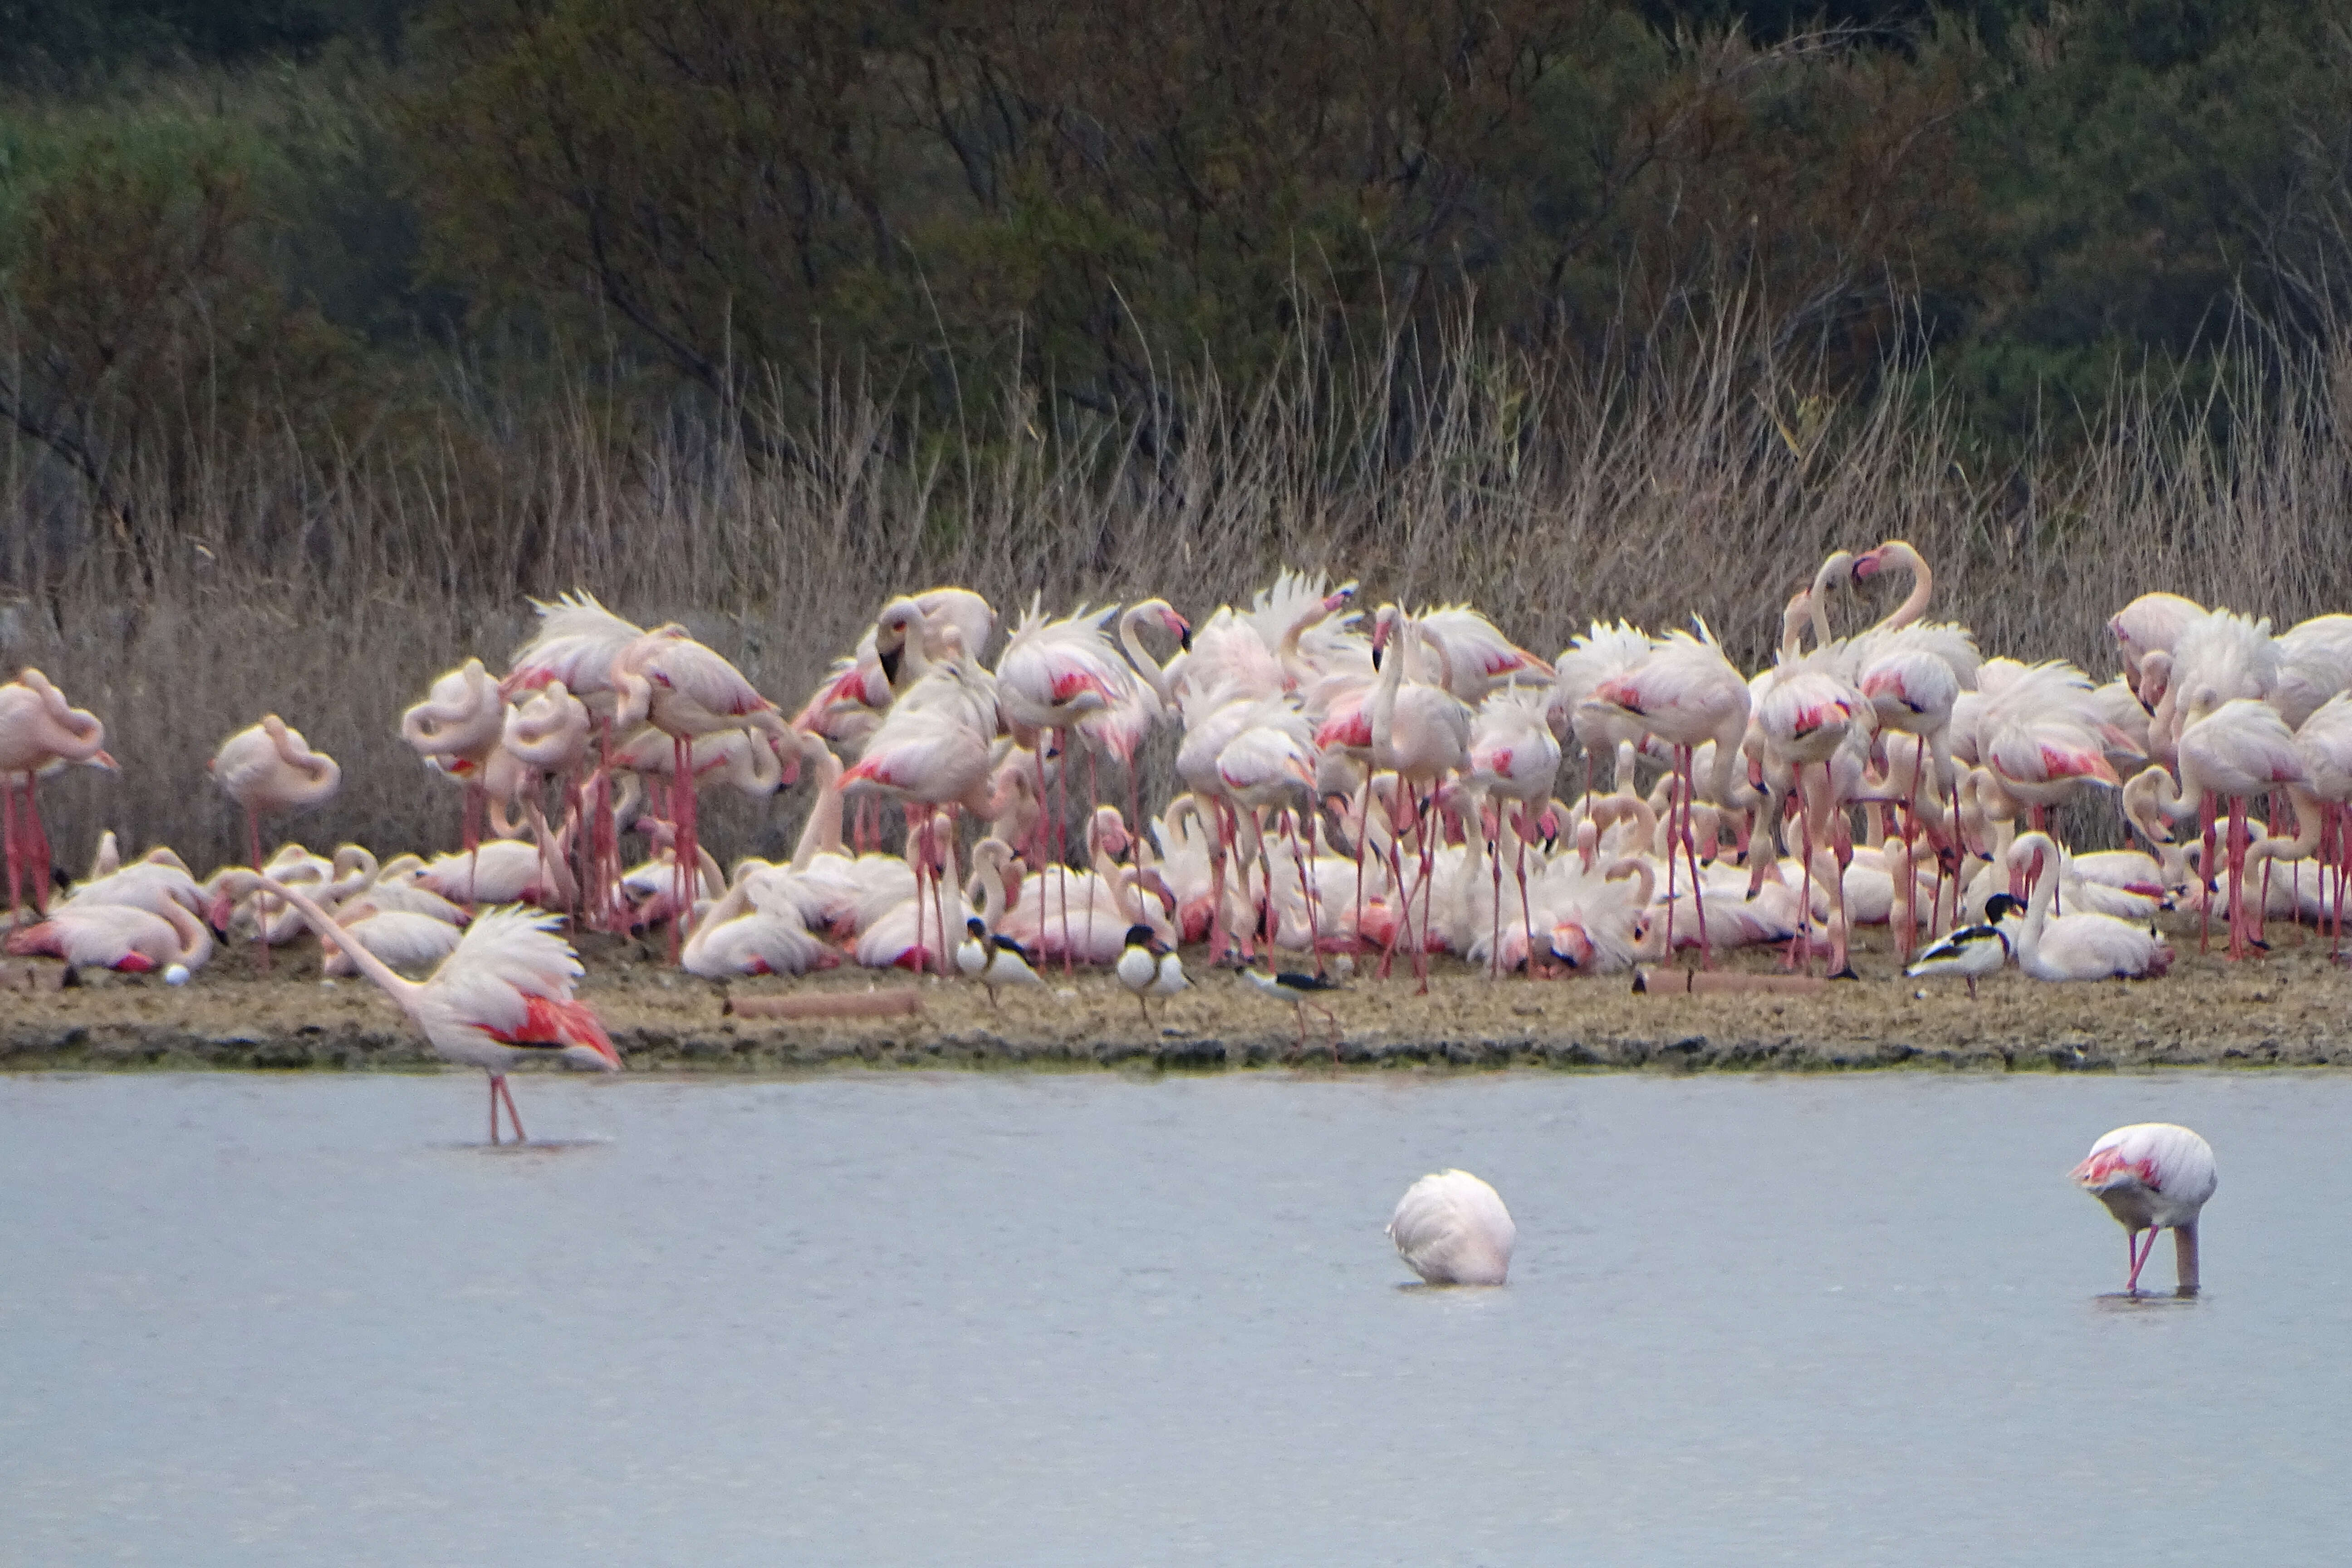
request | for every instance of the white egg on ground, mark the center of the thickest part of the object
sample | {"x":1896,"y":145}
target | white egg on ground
{"x":177,"y":975}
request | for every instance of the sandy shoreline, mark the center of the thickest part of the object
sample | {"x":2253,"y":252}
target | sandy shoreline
{"x":2284,"y":1009}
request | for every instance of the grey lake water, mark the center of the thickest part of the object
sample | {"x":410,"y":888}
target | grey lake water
{"x":1001,"y":1319}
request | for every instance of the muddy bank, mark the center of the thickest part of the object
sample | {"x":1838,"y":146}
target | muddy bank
{"x":2287,"y":1008}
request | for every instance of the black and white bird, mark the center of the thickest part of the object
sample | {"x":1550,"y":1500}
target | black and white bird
{"x":1302,"y":992}
{"x":995,"y":961}
{"x":1149,"y":968}
{"x":1974,"y":950}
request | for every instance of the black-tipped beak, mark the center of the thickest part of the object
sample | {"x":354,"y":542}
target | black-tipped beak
{"x":889,"y":658}
{"x":1376,"y":655}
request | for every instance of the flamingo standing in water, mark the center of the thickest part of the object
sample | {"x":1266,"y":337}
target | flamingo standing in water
{"x":1450,"y":1228}
{"x":269,"y":767}
{"x":504,"y":996}
{"x":38,"y":728}
{"x":2153,"y":1176}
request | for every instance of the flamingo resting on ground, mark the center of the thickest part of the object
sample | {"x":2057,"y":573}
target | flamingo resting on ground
{"x":1450,"y":1228}
{"x":504,"y":996}
{"x":2153,"y":1176}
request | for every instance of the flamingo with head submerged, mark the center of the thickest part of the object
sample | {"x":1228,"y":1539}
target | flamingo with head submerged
{"x":2153,"y":1176}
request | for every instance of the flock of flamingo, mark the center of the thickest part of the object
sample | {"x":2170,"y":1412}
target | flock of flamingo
{"x":1348,"y":788}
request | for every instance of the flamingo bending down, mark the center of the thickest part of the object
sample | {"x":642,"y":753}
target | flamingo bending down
{"x":269,"y":767}
{"x":1450,"y":1228}
{"x":2153,"y":1176}
{"x":38,"y":728}
{"x":503,"y":996}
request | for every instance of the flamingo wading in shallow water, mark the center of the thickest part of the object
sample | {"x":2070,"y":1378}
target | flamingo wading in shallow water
{"x":2153,"y":1176}
{"x":504,"y":996}
{"x":1450,"y":1228}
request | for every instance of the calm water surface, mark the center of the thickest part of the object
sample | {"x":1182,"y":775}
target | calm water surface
{"x":1082,"y":1319}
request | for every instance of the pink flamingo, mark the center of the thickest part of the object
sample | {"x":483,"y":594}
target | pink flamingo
{"x":2325,"y":743}
{"x":687,"y":690}
{"x":1421,"y":732}
{"x":932,"y":751}
{"x":269,"y":767}
{"x":503,"y":997}
{"x":38,"y":730}
{"x":1052,"y":676}
{"x":575,"y":646}
{"x":2151,"y":624}
{"x":2240,"y":749}
{"x":118,"y":936}
{"x":1121,"y":727}
{"x":2153,"y":1176}
{"x":1515,"y":759}
{"x":455,"y":729}
{"x":1687,"y":694}
{"x":1269,"y":768}
{"x":1810,"y":717}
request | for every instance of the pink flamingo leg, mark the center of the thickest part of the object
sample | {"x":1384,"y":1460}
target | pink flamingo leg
{"x":2139,"y":1255}
{"x":1495,"y":855}
{"x":2237,"y":876}
{"x":1364,"y":834}
{"x":8,"y":838}
{"x":514,"y":1117}
{"x":261,"y":905}
{"x":1428,"y":889}
{"x":1306,"y":890}
{"x":1400,"y":931}
{"x":1674,"y":795}
{"x":1519,"y":870}
{"x":36,"y":842}
{"x":1690,"y":848}
{"x":2206,"y":807}
{"x":2343,"y":868}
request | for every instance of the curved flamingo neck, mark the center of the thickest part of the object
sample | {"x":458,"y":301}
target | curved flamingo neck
{"x":822,"y":835}
{"x":1384,"y":695}
{"x":401,"y":990}
{"x":1153,"y":672}
{"x":1923,"y":585}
